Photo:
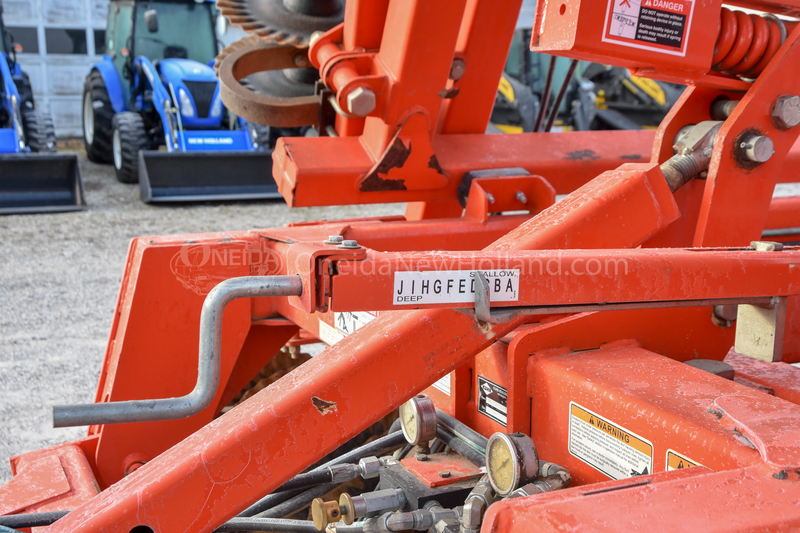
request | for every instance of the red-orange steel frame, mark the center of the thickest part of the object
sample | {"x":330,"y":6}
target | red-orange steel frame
{"x":196,"y":473}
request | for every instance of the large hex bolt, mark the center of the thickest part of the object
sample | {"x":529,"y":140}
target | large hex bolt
{"x":361,"y":101}
{"x":786,"y":112}
{"x":758,"y":148}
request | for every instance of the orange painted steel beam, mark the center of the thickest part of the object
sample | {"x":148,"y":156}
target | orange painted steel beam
{"x":784,"y":213}
{"x":325,"y":170}
{"x":564,"y":278}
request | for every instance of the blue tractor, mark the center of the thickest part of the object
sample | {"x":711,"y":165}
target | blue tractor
{"x":152,"y":108}
{"x":32,"y":177}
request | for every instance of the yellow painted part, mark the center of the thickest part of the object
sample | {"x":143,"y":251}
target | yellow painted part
{"x":600,"y":100}
{"x":506,"y":89}
{"x":652,"y":89}
{"x":505,"y":128}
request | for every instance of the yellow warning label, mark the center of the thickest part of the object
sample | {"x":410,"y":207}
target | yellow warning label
{"x":506,"y":89}
{"x":607,"y":446}
{"x":676,"y":461}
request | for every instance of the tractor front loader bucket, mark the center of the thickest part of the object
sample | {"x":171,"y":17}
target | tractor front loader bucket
{"x":40,"y":183}
{"x":206,"y":176}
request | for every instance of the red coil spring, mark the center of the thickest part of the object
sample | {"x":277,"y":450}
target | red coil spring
{"x":746,"y":43}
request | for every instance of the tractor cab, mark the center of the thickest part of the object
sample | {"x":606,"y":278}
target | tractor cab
{"x":178,"y":38}
{"x":156,"y":88}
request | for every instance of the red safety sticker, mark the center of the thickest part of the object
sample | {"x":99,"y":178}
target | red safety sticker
{"x":657,"y":25}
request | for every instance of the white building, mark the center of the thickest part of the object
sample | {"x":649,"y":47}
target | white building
{"x":61,"y":39}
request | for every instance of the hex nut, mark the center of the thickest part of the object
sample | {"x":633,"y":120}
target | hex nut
{"x":361,"y":101}
{"x":786,"y":112}
{"x":370,"y":467}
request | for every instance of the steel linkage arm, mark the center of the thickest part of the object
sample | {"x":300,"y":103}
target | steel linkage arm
{"x":208,"y":369}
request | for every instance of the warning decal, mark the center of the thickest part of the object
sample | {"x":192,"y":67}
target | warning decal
{"x":443,"y":384}
{"x":606,"y":446}
{"x":492,"y":400}
{"x":345,"y":324}
{"x":676,"y":461}
{"x":658,"y":25}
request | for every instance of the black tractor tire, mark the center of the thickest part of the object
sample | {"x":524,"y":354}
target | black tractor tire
{"x":97,"y":139}
{"x":260,"y":135}
{"x":40,"y":135}
{"x":128,"y":136}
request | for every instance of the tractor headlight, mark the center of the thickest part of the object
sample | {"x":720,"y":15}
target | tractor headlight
{"x":216,"y":107}
{"x":187,"y":108}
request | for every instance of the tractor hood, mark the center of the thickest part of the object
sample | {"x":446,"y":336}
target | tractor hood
{"x":175,"y":70}
{"x":197,"y":91}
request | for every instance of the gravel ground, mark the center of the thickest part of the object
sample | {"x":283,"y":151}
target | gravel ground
{"x":59,"y":278}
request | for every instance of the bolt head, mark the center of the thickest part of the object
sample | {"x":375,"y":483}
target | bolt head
{"x":350,"y":245}
{"x":314,"y":38}
{"x":361,"y":101}
{"x":457,"y":69}
{"x":422,"y":457}
{"x":301,"y":60}
{"x":786,"y":112}
{"x":334,"y":239}
{"x":758,"y":148}
{"x":444,"y":474}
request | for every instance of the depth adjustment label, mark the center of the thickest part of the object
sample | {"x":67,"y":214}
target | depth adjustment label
{"x":453,"y":286}
{"x":493,"y":400}
{"x":606,"y":446}
{"x":657,"y":25}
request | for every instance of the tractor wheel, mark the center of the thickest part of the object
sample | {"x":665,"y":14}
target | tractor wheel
{"x":260,"y":135}
{"x":97,"y":115}
{"x":40,"y":135}
{"x":128,"y":136}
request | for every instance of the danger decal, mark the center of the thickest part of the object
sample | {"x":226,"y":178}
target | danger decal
{"x":608,"y":447}
{"x":657,"y":25}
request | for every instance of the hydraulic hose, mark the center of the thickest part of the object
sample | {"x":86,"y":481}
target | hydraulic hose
{"x":376,"y":447}
{"x":462,"y":431}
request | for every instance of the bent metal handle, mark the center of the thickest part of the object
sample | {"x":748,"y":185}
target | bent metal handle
{"x":258,"y":56}
{"x":208,"y":364}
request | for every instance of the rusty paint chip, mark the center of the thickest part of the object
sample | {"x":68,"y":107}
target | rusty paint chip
{"x":632,"y":157}
{"x":394,"y":157}
{"x":448,"y":94}
{"x":579,"y":155}
{"x":433,"y":163}
{"x":322,"y":406}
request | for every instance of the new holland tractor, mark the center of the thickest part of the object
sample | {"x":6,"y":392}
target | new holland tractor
{"x":152,"y":108}
{"x":32,"y":177}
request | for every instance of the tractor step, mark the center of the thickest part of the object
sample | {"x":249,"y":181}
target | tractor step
{"x":40,"y":183}
{"x":206,"y":176}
